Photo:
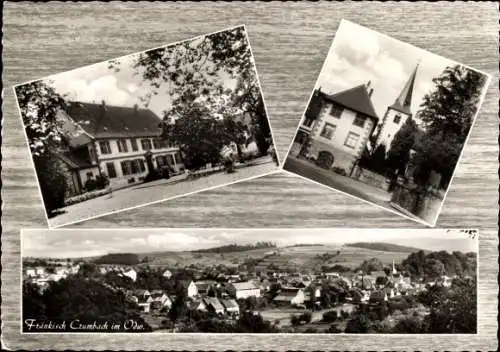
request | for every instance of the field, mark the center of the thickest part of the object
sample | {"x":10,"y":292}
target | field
{"x":306,"y":258}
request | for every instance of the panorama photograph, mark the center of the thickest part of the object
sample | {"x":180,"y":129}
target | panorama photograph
{"x":325,"y":281}
{"x":147,"y":127}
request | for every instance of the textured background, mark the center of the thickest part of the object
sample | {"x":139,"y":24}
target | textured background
{"x":289,"y":42}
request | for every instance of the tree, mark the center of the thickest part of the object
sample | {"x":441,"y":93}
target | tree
{"x":179,"y":308}
{"x":200,"y":137}
{"x":39,"y":103}
{"x":33,"y":303}
{"x":399,"y":151}
{"x":447,"y":114}
{"x":84,"y":299}
{"x":375,"y":161}
{"x":453,"y":310}
{"x":433,"y":268}
{"x":194,"y":73}
{"x":358,"y":324}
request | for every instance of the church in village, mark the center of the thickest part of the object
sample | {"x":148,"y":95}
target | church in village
{"x":337,"y":128}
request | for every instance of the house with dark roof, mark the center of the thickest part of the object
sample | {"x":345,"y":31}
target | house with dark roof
{"x":339,"y":126}
{"x":113,"y":141}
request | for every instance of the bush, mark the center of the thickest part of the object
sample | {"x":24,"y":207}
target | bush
{"x":339,"y":171}
{"x":344,"y":314}
{"x":294,"y":319}
{"x":52,"y":182}
{"x":85,"y":196}
{"x":330,"y":316}
{"x":334,"y":329}
{"x":101,"y":181}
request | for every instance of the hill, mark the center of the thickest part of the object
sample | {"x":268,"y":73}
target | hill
{"x":118,"y":258}
{"x":381,"y":246}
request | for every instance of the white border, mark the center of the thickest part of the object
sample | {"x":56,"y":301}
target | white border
{"x":481,"y":101}
{"x":277,"y":168}
{"x":188,"y":334}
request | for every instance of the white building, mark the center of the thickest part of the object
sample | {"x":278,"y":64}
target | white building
{"x":244,"y":289}
{"x":113,"y":141}
{"x":396,"y":114}
{"x":341,"y":130}
{"x":131,"y":273}
{"x":167,"y":273}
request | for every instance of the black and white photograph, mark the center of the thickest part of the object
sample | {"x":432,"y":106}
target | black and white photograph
{"x":325,"y":281}
{"x":387,"y":123}
{"x":147,"y":127}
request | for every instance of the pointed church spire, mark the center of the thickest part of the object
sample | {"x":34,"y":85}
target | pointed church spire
{"x":403,"y":102}
{"x":394,"y":271}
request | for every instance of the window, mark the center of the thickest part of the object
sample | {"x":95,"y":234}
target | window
{"x":160,"y":161}
{"x":105,"y":147}
{"x":170,"y":160}
{"x":111,"y":170}
{"x":351,"y":140}
{"x":130,"y":167}
{"x":397,"y":118}
{"x":328,"y":131}
{"x":336,"y":110}
{"x":146,"y":144}
{"x":359,"y":120}
{"x":126,"y":167}
{"x":178,"y":158}
{"x":93,"y":156}
{"x":159,"y":143}
{"x":135,"y":147}
{"x":122,"y":145}
{"x":308,"y":122}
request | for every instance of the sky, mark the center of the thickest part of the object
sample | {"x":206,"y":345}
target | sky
{"x":97,"y":82}
{"x":72,"y":243}
{"x":359,"y":54}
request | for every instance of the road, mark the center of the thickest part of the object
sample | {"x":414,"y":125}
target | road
{"x":345,"y":184}
{"x":156,"y":191}
{"x":284,"y":314}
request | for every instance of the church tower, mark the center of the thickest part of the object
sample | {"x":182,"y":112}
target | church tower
{"x":396,"y":114}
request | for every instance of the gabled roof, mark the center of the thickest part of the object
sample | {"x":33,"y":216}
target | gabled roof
{"x":403,"y":101}
{"x":73,"y":161}
{"x":247,"y":285}
{"x":106,"y":121}
{"x":356,"y":99}
{"x":230,"y":303}
{"x":214,"y":302}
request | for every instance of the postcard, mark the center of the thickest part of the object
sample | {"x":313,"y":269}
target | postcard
{"x":147,"y":127}
{"x":387,"y":123}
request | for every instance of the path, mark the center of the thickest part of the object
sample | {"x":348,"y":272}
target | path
{"x":345,"y":184}
{"x":156,"y":191}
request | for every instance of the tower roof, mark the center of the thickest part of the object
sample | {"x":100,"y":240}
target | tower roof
{"x":403,"y":102}
{"x":356,"y":99}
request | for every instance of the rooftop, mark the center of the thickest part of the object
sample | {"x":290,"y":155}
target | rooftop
{"x":107,"y":121}
{"x":356,"y":99}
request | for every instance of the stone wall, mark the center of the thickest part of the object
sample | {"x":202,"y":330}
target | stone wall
{"x":370,"y":177}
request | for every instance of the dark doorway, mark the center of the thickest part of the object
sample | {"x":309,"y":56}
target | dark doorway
{"x":325,"y":160}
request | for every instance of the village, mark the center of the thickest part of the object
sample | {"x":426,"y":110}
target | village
{"x":292,"y":300}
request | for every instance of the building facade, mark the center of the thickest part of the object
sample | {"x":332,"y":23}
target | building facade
{"x":115,"y":142}
{"x":397,"y":114}
{"x":344,"y":124}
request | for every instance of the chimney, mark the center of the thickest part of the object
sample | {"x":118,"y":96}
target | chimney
{"x":368,"y":84}
{"x":370,"y":92}
{"x":103,"y":103}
